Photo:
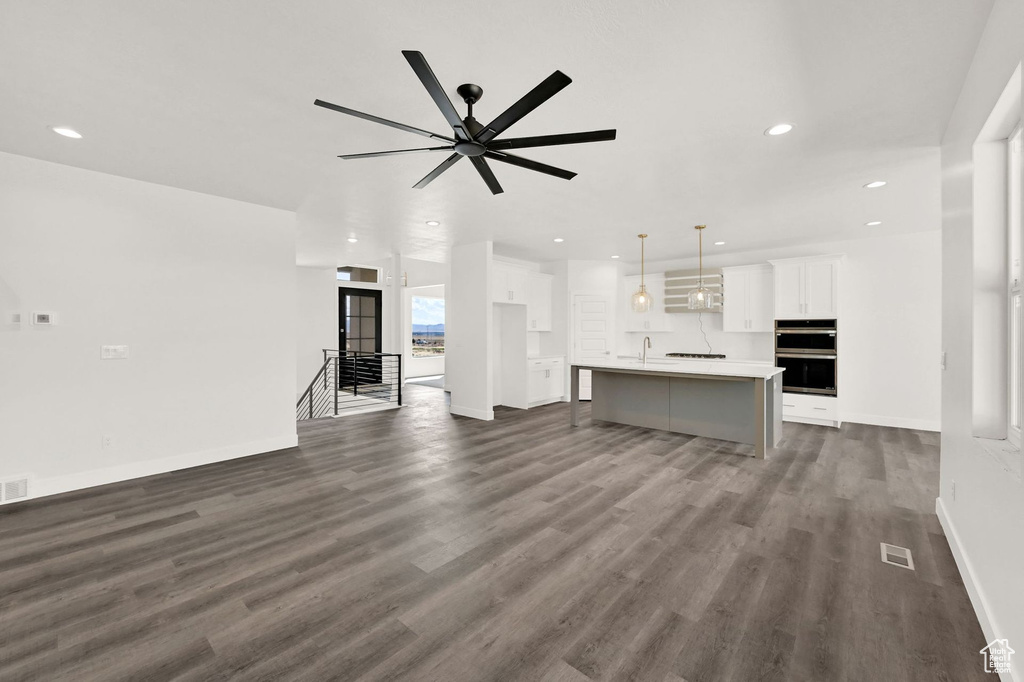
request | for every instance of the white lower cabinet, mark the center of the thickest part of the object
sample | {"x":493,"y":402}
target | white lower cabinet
{"x":811,"y":409}
{"x":545,"y":380}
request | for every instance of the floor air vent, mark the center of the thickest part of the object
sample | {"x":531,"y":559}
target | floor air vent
{"x":13,"y":490}
{"x":897,"y":556}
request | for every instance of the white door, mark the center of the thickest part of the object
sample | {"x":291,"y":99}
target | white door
{"x":592,"y":334}
{"x":789,"y":290}
{"x":821,"y":289}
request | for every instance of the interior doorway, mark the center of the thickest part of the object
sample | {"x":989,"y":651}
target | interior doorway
{"x":359,"y":317}
{"x":424,"y":326}
{"x":592,"y":337}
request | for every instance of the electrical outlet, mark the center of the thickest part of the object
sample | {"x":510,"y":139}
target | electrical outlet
{"x":108,"y":441}
{"x":942,"y":362}
{"x":954,"y":491}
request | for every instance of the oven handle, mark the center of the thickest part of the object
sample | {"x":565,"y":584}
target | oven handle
{"x":805,"y":356}
{"x":830,"y":332}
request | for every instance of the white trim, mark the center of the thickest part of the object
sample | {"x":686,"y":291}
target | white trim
{"x":964,"y":565}
{"x":486,"y":415}
{"x":814,"y":421}
{"x":897,"y":422}
{"x":88,"y":479}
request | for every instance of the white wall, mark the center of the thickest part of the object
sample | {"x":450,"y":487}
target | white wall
{"x":983,"y":520}
{"x":889,"y":326}
{"x":468,"y":331}
{"x":201,"y":289}
{"x":316,"y":320}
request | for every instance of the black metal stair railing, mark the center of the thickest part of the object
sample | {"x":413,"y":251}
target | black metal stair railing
{"x":351,"y":380}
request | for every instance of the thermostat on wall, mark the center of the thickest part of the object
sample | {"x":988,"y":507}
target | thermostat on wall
{"x":42,"y":318}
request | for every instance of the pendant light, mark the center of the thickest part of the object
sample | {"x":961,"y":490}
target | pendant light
{"x":701,"y":298}
{"x":641,"y":302}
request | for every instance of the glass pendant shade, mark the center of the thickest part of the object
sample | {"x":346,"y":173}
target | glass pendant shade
{"x":700,"y":298}
{"x":642,"y":300}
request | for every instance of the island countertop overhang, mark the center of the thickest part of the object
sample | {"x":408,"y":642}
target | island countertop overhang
{"x":719,"y":369}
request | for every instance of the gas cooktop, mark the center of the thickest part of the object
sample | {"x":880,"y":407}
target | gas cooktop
{"x":702,"y":356}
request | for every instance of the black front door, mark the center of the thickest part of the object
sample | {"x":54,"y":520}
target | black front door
{"x":359,"y":314}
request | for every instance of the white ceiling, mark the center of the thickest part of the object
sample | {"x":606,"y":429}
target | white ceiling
{"x":217,"y":97}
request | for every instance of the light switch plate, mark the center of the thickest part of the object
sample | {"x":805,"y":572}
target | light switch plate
{"x":114,"y":352}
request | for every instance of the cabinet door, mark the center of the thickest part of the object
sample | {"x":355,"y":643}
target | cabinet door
{"x":760,"y":300}
{"x":556,"y":381}
{"x":820,"y":298}
{"x":789,"y":290}
{"x":537,"y":384}
{"x":499,"y":284}
{"x":735,"y":308}
{"x":538,"y":303}
{"x":517,"y":285}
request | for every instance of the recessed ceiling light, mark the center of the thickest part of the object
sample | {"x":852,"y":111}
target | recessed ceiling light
{"x":559,"y":240}
{"x":779,"y":129}
{"x":873,"y":223}
{"x":67,"y":132}
{"x":433,"y":223}
{"x":352,"y":240}
{"x":719,"y":243}
{"x":875,"y":185}
{"x":614,"y":256}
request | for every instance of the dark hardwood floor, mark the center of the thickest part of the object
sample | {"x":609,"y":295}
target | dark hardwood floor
{"x":413,"y":545}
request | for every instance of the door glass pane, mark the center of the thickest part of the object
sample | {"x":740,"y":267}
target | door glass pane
{"x":354,"y":327}
{"x":368,"y":345}
{"x":353,"y":305}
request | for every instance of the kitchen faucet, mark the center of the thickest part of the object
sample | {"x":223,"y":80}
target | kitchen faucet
{"x":645,"y":345}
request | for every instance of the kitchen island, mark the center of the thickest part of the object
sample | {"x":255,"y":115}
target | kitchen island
{"x":740,"y":402}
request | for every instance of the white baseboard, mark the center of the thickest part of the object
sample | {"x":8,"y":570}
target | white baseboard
{"x":88,"y":479}
{"x":486,"y":415}
{"x":814,"y":421}
{"x":897,"y":422}
{"x":966,"y":568}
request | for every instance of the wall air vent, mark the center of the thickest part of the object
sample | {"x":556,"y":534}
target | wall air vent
{"x":679,"y":284}
{"x":897,"y":556}
{"x":13,"y":490}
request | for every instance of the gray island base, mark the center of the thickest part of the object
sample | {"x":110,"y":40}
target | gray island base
{"x":728,"y":401}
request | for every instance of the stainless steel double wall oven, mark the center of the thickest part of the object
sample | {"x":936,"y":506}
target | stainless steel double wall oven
{"x":807,"y":350}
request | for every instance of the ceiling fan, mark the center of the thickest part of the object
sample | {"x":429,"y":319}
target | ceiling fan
{"x":476,"y":141}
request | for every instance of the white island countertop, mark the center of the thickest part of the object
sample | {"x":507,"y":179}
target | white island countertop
{"x":682,"y":367}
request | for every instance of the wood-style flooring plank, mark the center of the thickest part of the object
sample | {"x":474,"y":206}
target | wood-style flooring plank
{"x":414,"y":545}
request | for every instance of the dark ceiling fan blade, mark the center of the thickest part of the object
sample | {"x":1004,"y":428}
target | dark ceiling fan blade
{"x":485,"y":172}
{"x":530,"y":101}
{"x":532,"y":165}
{"x":383,"y":121}
{"x":433,"y":86}
{"x":552,"y":140}
{"x":432,"y":175}
{"x":396,"y":152}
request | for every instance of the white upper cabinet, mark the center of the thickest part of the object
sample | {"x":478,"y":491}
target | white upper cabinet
{"x":508,"y":284}
{"x":538,"y":302}
{"x":748,"y":303}
{"x":655,"y":319}
{"x":822,"y":295}
{"x":807,"y":288}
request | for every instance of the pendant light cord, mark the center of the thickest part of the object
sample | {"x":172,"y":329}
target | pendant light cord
{"x":700,"y":321}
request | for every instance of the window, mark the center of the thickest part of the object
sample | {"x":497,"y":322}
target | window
{"x":1015,"y":210}
{"x":427,"y":327}
{"x":352,"y":273}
